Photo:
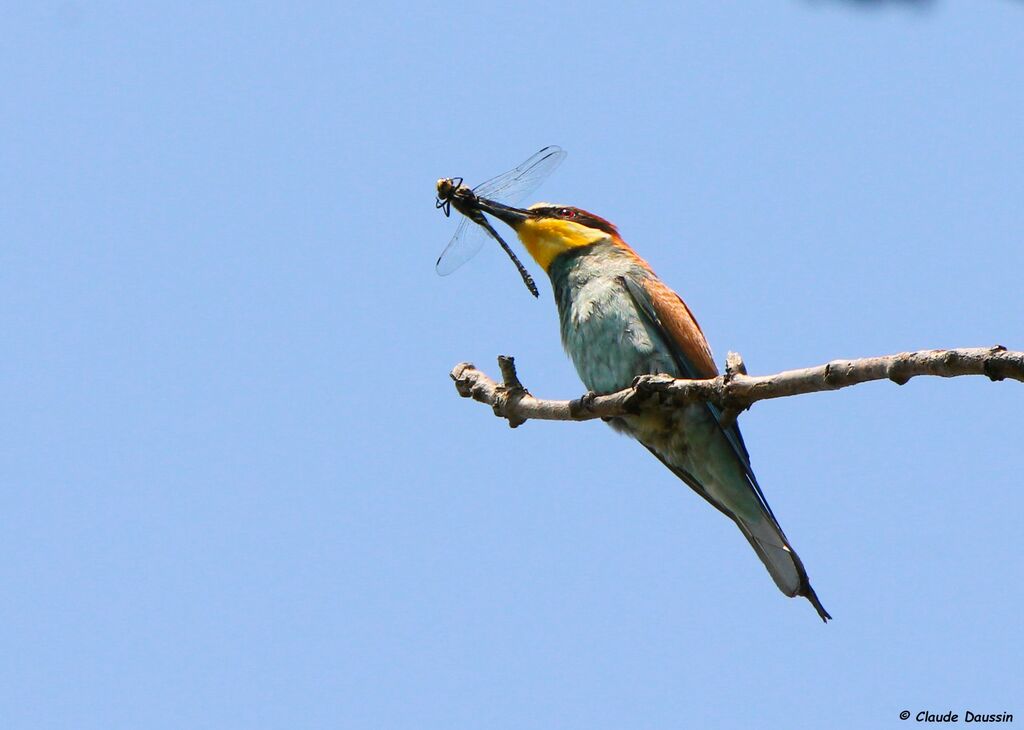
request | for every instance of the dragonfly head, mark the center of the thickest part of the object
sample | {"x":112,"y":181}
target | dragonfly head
{"x":446,"y":187}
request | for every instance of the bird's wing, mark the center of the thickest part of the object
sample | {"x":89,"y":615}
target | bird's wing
{"x":666,"y":312}
{"x":676,"y":321}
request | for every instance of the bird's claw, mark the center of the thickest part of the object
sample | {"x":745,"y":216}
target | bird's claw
{"x":583,"y":405}
{"x":645,"y":392}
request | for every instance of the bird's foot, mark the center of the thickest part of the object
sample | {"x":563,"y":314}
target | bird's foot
{"x":583,"y":405}
{"x":647,"y":392}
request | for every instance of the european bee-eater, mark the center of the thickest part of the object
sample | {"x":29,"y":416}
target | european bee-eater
{"x":618,"y":321}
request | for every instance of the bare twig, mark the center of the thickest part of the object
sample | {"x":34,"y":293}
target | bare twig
{"x":735,"y":391}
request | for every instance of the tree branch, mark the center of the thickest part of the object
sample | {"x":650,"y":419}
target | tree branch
{"x":735,"y":391}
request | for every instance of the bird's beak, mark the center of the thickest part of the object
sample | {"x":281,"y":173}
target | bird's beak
{"x":512,"y":216}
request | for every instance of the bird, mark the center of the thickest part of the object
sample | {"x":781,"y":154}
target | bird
{"x":618,"y":320}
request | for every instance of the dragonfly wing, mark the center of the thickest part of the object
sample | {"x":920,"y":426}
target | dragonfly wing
{"x":464,"y":245}
{"x":512,"y":186}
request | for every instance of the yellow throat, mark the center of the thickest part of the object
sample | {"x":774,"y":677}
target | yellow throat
{"x":546,"y":238}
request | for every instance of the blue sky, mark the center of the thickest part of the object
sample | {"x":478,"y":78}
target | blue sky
{"x":239,"y":489}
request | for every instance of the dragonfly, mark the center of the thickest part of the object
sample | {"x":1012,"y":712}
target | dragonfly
{"x":509,"y":188}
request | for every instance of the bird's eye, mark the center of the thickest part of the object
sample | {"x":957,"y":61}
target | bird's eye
{"x":567,"y":213}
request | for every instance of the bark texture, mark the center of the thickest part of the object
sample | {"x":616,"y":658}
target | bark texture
{"x":734,"y":391}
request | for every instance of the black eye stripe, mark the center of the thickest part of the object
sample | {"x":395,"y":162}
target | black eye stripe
{"x":576,"y":216}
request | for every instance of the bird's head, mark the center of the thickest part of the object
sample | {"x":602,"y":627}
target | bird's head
{"x":548,"y":230}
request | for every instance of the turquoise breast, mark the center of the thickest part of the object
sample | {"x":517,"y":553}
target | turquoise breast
{"x":607,"y":338}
